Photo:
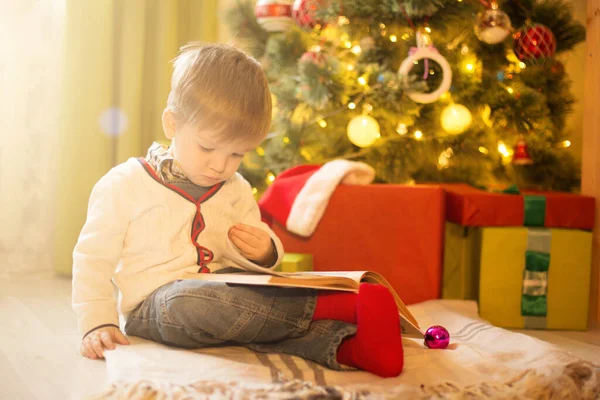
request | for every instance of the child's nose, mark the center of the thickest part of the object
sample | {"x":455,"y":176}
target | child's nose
{"x":218,"y":163}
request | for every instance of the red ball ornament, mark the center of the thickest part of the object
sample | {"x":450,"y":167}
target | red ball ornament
{"x":534,"y":43}
{"x":274,"y":15}
{"x":304,"y":13}
{"x":521,"y":154}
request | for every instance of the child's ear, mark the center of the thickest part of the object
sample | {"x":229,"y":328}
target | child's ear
{"x":169,"y":124}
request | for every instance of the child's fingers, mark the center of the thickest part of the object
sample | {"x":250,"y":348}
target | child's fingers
{"x":241,"y":245}
{"x":87,"y":350}
{"x":120,"y":338}
{"x":245,"y":237}
{"x":97,"y":346}
{"x":249,"y":229}
{"x":107,"y":341}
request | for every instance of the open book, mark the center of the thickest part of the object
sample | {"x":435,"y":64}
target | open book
{"x":342,"y":280}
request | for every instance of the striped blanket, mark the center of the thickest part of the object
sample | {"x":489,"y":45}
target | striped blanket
{"x":481,"y":359}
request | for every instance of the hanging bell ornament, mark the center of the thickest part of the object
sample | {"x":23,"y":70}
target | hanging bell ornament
{"x":521,"y":153}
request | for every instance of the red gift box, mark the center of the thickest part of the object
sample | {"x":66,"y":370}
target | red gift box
{"x":469,"y":206}
{"x":396,"y":230}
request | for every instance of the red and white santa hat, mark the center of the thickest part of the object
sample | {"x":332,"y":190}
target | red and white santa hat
{"x":299,"y":196}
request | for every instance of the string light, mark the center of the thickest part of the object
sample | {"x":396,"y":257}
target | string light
{"x":405,"y":36}
{"x":393,"y":38}
{"x":362,"y":80}
{"x":401,"y":129}
{"x":382,"y":25}
{"x":427,"y":29}
{"x":350,"y":67}
{"x":444,"y":158}
{"x":286,"y":139}
{"x":356,"y":50}
{"x":566,"y":143}
{"x":469,"y":67}
{"x":342,"y":20}
{"x":322,"y":123}
{"x":315,"y":48}
{"x":502,"y":149}
{"x":348,"y":44}
{"x":464,"y":50}
{"x":351,"y":105}
{"x":522,"y":65}
{"x":418,"y":135}
{"x":483,"y":150}
{"x":260,"y":151}
{"x":510,"y":90}
{"x":367,"y":108}
{"x":270,"y":178}
{"x":254,"y":190}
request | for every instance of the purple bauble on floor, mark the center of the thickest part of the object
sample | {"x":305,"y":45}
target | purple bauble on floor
{"x":437,"y":337}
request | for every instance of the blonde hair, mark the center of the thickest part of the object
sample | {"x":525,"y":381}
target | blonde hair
{"x":221,"y":88}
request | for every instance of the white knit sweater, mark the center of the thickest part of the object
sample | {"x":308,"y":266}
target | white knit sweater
{"x":138,"y":236}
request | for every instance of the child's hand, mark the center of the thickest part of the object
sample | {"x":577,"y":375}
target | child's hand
{"x":254,"y":243}
{"x":94,"y":344}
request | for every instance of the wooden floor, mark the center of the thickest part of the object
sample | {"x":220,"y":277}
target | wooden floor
{"x":38,"y":342}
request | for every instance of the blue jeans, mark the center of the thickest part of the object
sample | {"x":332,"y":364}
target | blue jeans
{"x":196,"y":314}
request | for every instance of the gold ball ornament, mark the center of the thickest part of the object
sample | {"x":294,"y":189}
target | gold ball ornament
{"x":456,"y":119}
{"x":363,"y":130}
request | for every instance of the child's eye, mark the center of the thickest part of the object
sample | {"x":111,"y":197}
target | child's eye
{"x":205,"y":148}
{"x":238,"y":155}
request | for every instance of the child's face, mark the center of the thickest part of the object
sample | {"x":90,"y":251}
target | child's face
{"x":204,"y":159}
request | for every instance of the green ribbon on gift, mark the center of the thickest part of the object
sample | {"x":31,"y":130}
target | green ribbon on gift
{"x":534,"y":206}
{"x":535,"y":276}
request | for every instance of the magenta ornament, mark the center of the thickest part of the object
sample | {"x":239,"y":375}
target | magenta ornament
{"x":437,"y":337}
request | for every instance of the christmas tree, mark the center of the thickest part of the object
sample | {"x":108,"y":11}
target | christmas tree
{"x":421,"y":90}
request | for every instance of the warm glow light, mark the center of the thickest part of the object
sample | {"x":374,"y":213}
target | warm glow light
{"x":502,"y":149}
{"x":405,"y":36}
{"x":362,"y":80}
{"x":254,"y":190}
{"x":522,"y":65}
{"x":342,"y":20}
{"x":260,"y":151}
{"x":286,"y":139}
{"x":427,"y":29}
{"x":356,"y":50}
{"x":316,"y":48}
{"x":456,"y":119}
{"x":350,"y":67}
{"x":393,"y":38}
{"x":510,"y":90}
{"x":464,"y":49}
{"x":483,"y":150}
{"x":567,"y":143}
{"x":418,"y":135}
{"x":470,"y":67}
{"x":401,"y":129}
{"x":348,"y":44}
{"x":363,"y":130}
{"x":351,"y":106}
{"x":322,"y":123}
{"x":270,"y":178}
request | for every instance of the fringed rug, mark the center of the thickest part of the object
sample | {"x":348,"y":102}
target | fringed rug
{"x":482,"y":362}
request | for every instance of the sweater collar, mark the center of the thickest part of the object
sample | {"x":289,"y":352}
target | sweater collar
{"x":164,"y":164}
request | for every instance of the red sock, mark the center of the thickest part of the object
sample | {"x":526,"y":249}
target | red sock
{"x":377,"y":345}
{"x":339,"y":306}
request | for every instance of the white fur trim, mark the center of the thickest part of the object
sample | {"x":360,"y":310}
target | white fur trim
{"x":311,"y":202}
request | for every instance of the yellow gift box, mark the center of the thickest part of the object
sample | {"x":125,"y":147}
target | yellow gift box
{"x":295,"y":262}
{"x":462,"y":247}
{"x":501,"y":278}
